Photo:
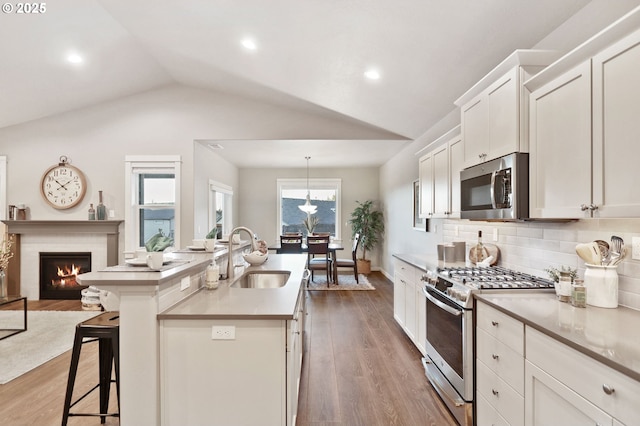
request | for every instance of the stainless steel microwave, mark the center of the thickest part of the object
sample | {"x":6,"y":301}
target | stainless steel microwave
{"x":496,"y":190}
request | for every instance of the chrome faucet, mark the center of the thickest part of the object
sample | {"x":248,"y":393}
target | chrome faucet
{"x":230,"y":266}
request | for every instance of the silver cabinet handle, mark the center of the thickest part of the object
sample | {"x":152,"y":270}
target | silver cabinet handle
{"x":495,"y":392}
{"x":584,"y":207}
{"x":494,"y":323}
{"x":495,"y":356}
{"x":608,"y":389}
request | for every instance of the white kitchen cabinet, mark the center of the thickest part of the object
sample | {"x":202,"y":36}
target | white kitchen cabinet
{"x":439,"y":171}
{"x":494,"y":112}
{"x":572,"y":388}
{"x":499,"y":366}
{"x":583,"y":123}
{"x":253,"y":378}
{"x":560,"y":157}
{"x":425,"y":172}
{"x":409,"y":303}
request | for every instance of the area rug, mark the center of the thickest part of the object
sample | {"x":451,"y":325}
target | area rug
{"x":345,"y":282}
{"x":49,"y":334}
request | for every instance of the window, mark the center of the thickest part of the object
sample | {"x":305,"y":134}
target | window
{"x":3,"y":187}
{"x":220,"y":208}
{"x":324,"y":193}
{"x":153,"y":193}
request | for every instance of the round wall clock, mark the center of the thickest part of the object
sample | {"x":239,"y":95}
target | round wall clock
{"x":63,"y":185}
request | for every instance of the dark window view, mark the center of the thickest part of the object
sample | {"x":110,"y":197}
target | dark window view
{"x":323,"y":220}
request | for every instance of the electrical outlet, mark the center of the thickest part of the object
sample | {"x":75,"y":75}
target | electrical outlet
{"x":185,"y":283}
{"x":635,"y":248}
{"x":112,"y":213}
{"x":223,"y":332}
{"x":495,"y":234}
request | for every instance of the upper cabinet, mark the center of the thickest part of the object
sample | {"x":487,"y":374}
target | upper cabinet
{"x":494,"y":112}
{"x":584,"y":113}
{"x":439,"y":171}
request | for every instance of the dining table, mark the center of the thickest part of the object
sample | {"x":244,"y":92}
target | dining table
{"x":333,"y":248}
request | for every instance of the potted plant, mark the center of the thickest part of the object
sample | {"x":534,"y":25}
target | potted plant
{"x":369,"y":224}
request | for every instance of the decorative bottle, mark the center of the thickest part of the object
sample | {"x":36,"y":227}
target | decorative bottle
{"x":479,"y":248}
{"x":92,"y":212}
{"x":101,"y":211}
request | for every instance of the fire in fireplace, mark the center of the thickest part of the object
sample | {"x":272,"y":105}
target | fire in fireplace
{"x":58,"y":272}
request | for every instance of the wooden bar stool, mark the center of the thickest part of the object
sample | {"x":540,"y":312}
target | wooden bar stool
{"x":105,"y":329}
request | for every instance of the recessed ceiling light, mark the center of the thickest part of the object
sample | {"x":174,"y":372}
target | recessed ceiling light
{"x":74,"y":58}
{"x":215,"y":146}
{"x":372,"y":74}
{"x":249,"y":44}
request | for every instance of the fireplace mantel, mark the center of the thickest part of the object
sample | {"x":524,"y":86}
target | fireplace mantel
{"x":29,"y":228}
{"x":62,"y":226}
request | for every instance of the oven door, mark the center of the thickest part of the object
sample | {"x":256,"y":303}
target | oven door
{"x":449,"y":342}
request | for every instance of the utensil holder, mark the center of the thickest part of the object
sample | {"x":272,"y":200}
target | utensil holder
{"x":601,"y":284}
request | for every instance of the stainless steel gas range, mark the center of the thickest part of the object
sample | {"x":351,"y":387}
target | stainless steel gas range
{"x":450,"y":327}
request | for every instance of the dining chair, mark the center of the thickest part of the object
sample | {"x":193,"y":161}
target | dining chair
{"x":349,"y":263}
{"x":319,"y":246}
{"x":290,"y":243}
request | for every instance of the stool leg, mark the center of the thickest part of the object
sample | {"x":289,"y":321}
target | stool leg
{"x":115,"y":345}
{"x":106,"y":360}
{"x":73,"y":368}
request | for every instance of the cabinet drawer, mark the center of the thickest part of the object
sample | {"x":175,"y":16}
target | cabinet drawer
{"x":487,"y":415}
{"x":410,"y":273}
{"x":506,"y":401}
{"x":585,"y":376}
{"x":508,"y":330}
{"x":501,"y":359}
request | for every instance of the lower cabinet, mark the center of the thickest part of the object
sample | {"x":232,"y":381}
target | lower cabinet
{"x":250,"y":380}
{"x":409,"y":303}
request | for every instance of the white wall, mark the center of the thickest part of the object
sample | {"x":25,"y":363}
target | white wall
{"x":258,"y":202}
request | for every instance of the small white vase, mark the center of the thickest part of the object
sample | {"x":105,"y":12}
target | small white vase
{"x":601,"y":283}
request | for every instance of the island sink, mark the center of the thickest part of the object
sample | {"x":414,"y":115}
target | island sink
{"x":262,"y":279}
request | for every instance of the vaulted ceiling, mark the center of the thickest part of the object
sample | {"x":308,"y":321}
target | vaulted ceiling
{"x":310,"y":54}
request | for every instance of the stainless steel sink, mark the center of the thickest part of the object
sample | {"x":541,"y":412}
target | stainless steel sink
{"x":262,"y":279}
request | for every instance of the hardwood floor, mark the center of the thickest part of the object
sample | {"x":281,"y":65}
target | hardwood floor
{"x":359,"y":369}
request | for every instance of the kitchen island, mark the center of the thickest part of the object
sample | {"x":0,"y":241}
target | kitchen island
{"x":178,"y":293}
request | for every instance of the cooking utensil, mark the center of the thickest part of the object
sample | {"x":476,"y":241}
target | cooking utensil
{"x":619,"y":258}
{"x":604,"y":251}
{"x":617,"y":248}
{"x":586,"y":252}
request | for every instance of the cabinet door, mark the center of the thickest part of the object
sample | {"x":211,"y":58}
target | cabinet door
{"x":475,"y":130}
{"x":441,"y":181}
{"x":504,"y":113}
{"x":456,"y":164}
{"x":410,"y":310}
{"x":560,"y":142}
{"x":549,"y":402}
{"x":399,"y":288}
{"x":425,"y":171}
{"x":616,"y":91}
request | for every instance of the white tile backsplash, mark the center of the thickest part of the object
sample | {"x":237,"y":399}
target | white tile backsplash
{"x":531,"y":247}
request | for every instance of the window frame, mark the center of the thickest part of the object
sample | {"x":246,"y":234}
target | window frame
{"x":227,"y":214}
{"x":315,"y":183}
{"x":136,"y":165}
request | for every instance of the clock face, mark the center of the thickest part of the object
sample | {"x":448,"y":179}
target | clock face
{"x":63,"y":186}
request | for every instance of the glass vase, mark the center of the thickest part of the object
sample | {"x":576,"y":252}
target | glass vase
{"x":3,"y":285}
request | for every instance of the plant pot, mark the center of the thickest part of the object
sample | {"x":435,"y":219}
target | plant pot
{"x":364,"y":266}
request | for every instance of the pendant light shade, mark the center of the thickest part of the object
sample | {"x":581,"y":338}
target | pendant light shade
{"x":307,"y":207}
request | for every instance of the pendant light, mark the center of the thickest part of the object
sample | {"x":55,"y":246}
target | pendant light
{"x":307,"y":207}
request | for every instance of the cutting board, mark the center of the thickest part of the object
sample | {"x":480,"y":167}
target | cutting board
{"x":489,"y":250}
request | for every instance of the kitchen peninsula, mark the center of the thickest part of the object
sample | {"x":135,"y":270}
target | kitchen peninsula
{"x":153,"y":303}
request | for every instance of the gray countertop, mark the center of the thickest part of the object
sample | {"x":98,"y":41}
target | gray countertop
{"x":608,"y":335}
{"x":425,"y":262}
{"x":240,"y":303}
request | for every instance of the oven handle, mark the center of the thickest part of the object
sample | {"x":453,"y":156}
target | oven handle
{"x":441,"y":305}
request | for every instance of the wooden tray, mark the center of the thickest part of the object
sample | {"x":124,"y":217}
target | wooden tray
{"x":489,"y":250}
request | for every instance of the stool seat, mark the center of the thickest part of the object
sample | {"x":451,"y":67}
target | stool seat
{"x":104,"y":328}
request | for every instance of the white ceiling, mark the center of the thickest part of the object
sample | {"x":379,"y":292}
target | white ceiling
{"x":311,"y":55}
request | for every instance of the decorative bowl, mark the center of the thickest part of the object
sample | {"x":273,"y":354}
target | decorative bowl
{"x":255,"y":258}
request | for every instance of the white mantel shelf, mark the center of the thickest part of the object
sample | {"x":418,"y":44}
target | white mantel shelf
{"x":62,"y":226}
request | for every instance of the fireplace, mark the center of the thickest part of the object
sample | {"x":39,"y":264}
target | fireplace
{"x":58,"y":271}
